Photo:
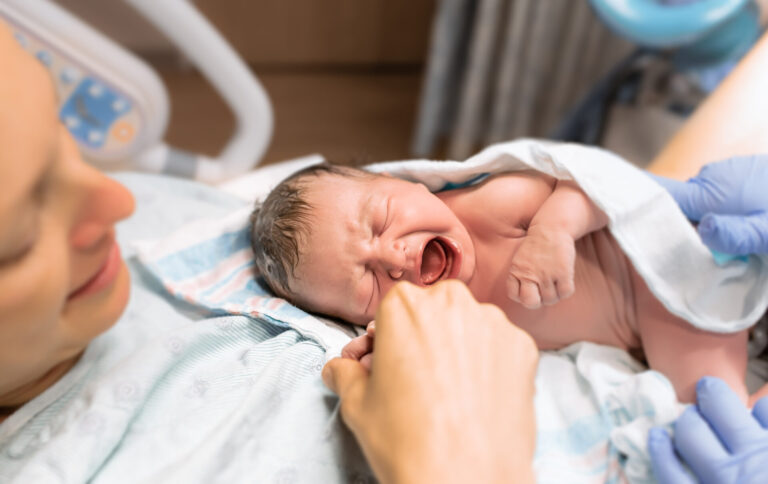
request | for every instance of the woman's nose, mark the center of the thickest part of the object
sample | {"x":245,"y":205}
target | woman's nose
{"x":104,"y":202}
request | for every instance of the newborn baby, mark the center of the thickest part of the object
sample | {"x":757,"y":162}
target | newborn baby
{"x":334,"y":240}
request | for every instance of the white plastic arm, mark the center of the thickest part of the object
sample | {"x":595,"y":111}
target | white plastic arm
{"x":215,"y":58}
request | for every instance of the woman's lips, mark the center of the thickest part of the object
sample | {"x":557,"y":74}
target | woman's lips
{"x":104,"y":276}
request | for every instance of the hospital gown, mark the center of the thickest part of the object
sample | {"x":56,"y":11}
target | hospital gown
{"x":167,"y":395}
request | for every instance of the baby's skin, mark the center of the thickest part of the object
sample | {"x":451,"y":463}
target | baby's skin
{"x":534,"y":246}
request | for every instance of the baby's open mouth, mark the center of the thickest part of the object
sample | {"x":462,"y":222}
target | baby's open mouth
{"x":436,"y":261}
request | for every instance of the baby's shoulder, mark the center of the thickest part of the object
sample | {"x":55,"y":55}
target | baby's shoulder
{"x":494,"y":187}
{"x":500,"y":191}
{"x":495,"y":201}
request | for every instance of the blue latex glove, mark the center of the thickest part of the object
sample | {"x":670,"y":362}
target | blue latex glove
{"x":729,"y":199}
{"x":719,"y":440}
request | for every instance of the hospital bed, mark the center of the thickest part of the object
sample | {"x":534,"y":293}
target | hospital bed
{"x":117,"y":110}
{"x":116,"y":106}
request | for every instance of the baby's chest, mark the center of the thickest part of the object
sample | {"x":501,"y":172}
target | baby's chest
{"x":601,"y":310}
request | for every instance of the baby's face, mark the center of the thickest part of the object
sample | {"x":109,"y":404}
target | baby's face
{"x":369,"y":233}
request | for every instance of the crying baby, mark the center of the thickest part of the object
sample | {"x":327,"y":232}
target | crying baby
{"x":333,"y":240}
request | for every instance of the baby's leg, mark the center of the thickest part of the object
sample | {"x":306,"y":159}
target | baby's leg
{"x":684,"y":354}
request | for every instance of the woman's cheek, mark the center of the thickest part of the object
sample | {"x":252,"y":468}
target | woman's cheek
{"x":35,"y":290}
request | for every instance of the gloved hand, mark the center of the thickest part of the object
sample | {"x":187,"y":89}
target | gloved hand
{"x":729,"y":199}
{"x":718,"y":438}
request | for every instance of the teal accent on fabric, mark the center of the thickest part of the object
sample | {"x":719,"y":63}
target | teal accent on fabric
{"x":721,"y":258}
{"x":464,"y":184}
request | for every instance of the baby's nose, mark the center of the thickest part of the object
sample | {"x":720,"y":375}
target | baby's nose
{"x":394,"y":259}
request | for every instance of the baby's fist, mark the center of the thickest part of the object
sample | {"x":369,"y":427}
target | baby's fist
{"x":542,"y":268}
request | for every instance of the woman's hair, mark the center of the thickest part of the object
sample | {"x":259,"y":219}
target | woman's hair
{"x":281,"y":224}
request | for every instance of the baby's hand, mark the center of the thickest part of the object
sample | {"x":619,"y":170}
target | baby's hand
{"x":361,"y":348}
{"x":542,"y":268}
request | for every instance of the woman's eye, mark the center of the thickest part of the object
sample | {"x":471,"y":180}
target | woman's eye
{"x":25,"y":247}
{"x":18,"y":256}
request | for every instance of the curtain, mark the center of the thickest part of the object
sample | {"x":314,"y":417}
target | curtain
{"x":502,"y":69}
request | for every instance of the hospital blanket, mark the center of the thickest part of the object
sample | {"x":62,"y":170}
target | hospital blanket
{"x":594,"y":404}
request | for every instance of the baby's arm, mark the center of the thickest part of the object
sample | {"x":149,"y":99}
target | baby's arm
{"x":541,"y":271}
{"x":569,"y":210}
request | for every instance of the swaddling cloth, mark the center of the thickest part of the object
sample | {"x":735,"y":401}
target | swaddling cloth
{"x":644,"y":219}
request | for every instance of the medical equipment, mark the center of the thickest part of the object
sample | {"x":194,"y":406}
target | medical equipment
{"x":116,"y":106}
{"x":702,"y":33}
{"x":685,"y":46}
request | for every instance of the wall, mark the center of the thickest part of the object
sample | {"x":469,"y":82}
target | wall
{"x":293,"y":32}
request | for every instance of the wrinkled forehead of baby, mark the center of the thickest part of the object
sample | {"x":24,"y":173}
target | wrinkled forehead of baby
{"x":335,"y":206}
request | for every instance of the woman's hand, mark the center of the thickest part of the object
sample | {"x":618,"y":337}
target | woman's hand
{"x":449,"y":397}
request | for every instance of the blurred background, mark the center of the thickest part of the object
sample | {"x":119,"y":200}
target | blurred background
{"x":368,"y":80}
{"x":343,"y":75}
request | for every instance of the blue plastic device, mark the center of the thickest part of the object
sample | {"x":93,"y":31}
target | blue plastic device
{"x":116,"y":106}
{"x":704,"y":33}
{"x":108,"y":122}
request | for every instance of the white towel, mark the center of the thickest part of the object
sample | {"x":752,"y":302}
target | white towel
{"x":647,"y":223}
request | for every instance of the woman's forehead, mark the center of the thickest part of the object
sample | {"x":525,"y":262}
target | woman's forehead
{"x":28,"y":123}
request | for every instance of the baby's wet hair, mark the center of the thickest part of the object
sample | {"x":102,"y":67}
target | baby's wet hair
{"x":281,"y":224}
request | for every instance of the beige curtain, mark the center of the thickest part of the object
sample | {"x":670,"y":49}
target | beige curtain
{"x":502,"y":69}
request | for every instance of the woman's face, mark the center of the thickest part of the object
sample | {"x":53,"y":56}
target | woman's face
{"x":62,"y":281}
